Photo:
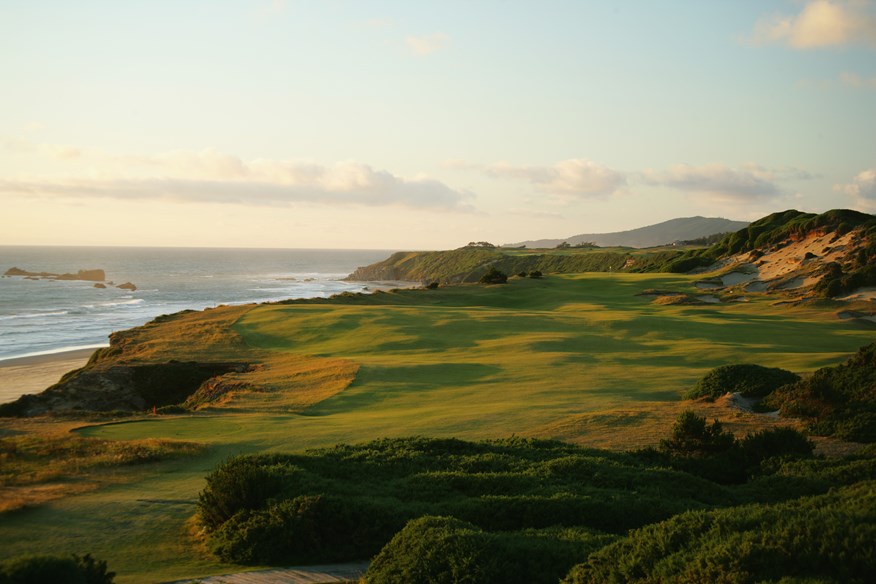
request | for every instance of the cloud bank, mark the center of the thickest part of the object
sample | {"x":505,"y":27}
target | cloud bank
{"x":862,"y":189}
{"x":718,"y":182}
{"x":214,"y":177}
{"x":821,"y":23}
{"x":577,"y":177}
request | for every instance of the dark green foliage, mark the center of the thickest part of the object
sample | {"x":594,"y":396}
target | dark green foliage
{"x":748,"y":379}
{"x":55,"y":570}
{"x":692,"y":436}
{"x":837,"y":401}
{"x":775,"y":443}
{"x":447,"y":550}
{"x":535,"y":274}
{"x":243,"y":483}
{"x":304,"y":530}
{"x":442,"y":550}
{"x":521,"y":274}
{"x":260,"y":509}
{"x":432,"y":286}
{"x":708,"y":451}
{"x":686,"y":263}
{"x":493,"y":276}
{"x":824,"y":538}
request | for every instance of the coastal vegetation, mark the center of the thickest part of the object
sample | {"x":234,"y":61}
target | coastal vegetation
{"x":552,"y":432}
{"x":857,"y":267}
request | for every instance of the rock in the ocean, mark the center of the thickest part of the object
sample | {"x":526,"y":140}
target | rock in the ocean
{"x":99,"y":285}
{"x":127,"y":286}
{"x":95,"y":275}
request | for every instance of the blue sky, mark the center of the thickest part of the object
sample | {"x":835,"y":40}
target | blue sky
{"x":365,"y":124}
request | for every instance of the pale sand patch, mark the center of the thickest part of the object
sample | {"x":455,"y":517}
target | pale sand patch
{"x":780,"y":262}
{"x":861,"y":294}
{"x":791,"y":284}
{"x":34,"y":374}
{"x":708,"y":285}
{"x":734,"y":278}
{"x":709,"y":298}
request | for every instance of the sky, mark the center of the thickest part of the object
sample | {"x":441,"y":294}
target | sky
{"x":416,"y":124}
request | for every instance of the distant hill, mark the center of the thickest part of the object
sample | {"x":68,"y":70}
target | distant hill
{"x":827,"y":255}
{"x":681,"y":229}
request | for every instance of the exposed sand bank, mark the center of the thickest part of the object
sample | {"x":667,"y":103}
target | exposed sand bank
{"x":34,"y":374}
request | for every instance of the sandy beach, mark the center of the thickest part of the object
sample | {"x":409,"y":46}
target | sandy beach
{"x":34,"y":374}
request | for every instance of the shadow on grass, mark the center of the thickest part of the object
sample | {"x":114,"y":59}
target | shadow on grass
{"x":383,"y":382}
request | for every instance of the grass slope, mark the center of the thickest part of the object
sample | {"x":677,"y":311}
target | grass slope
{"x":575,"y":357}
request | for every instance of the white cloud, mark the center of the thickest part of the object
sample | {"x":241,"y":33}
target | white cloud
{"x":718,"y":182}
{"x":576,"y":177}
{"x":862,"y":189}
{"x":210,"y":176}
{"x":427,"y":44}
{"x":821,"y":23}
{"x":855,"y":80}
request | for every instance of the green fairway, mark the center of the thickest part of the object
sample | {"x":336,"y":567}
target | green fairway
{"x":470,"y":361}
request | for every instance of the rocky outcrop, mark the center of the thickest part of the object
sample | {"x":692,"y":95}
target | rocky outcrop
{"x":127,"y":286}
{"x":94,"y":275}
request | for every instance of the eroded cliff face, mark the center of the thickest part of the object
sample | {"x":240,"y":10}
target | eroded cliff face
{"x":122,"y":388}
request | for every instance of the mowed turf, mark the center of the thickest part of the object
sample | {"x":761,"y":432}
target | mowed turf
{"x":577,"y":357}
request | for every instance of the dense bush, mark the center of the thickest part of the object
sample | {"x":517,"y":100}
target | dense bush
{"x":827,"y":538}
{"x":692,"y":436}
{"x":306,"y":529}
{"x":493,"y":276}
{"x":261,"y":509}
{"x":444,"y":549}
{"x":55,"y":570}
{"x":748,"y":379}
{"x":837,"y":401}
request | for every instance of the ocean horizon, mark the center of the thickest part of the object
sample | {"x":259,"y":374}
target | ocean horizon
{"x":40,"y":317}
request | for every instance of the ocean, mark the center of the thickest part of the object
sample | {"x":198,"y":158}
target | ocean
{"x":47,"y":316}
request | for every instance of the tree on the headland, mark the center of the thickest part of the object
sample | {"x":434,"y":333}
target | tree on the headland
{"x":535,"y":274}
{"x":494,"y":276}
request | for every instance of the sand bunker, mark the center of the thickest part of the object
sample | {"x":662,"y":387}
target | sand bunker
{"x":861,"y":294}
{"x":705,"y":285}
{"x":709,"y":299}
{"x":734,"y":278}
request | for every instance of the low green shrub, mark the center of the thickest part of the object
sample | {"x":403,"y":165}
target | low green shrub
{"x":823,"y":538}
{"x":748,"y":379}
{"x":55,"y":570}
{"x":447,"y":550}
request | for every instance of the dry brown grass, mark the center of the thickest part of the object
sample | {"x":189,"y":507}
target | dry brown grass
{"x":40,"y":460}
{"x":275,"y":381}
{"x":644,"y":424}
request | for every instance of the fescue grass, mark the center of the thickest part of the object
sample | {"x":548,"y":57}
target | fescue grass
{"x":576,"y":357}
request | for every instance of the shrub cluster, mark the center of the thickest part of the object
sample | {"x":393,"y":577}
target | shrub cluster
{"x":55,"y":569}
{"x":826,"y":538}
{"x":446,"y":550}
{"x":748,"y":379}
{"x":345,"y":503}
{"x":837,"y":401}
